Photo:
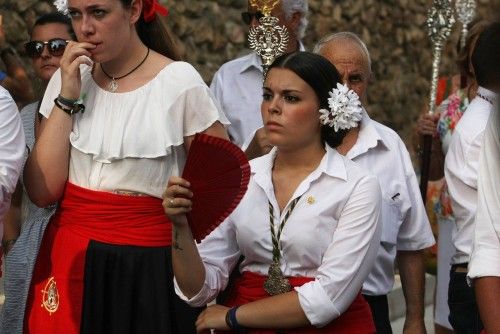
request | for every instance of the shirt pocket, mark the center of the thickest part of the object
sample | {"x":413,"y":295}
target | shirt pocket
{"x":391,"y":220}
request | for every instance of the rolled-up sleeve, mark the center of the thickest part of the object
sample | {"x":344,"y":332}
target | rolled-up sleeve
{"x":348,"y":259}
{"x":219,"y":253}
{"x":12,"y":145}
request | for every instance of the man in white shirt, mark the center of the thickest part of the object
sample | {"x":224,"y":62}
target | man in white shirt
{"x":237,"y":85}
{"x":484,"y":266}
{"x":406,"y":231}
{"x":11,"y":150}
{"x":461,"y":171}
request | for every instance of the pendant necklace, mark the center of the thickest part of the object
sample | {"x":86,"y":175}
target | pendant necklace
{"x":276,"y":283}
{"x":113,"y":85}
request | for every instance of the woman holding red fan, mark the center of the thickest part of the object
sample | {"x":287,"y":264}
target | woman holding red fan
{"x":307,"y":227}
{"x":120,"y":116}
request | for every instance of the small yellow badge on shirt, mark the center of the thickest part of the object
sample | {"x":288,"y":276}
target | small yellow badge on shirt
{"x":311,"y":200}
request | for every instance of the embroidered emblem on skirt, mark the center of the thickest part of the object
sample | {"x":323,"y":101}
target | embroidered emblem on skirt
{"x":50,"y":296}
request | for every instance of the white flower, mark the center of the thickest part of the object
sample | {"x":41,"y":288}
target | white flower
{"x":345,"y":109}
{"x":62,"y":6}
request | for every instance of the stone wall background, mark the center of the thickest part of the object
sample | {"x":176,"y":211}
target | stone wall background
{"x":209,"y":33}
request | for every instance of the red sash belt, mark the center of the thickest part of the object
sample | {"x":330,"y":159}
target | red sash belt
{"x":55,"y":299}
{"x":357,"y":319}
{"x":115,"y":219}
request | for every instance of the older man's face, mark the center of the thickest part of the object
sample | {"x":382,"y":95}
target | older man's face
{"x":291,"y":24}
{"x":351,"y":63}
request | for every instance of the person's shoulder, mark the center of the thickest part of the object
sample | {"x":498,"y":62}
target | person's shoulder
{"x":5,"y":95}
{"x":179,"y":76}
{"x":474,"y":120}
{"x":237,"y":64}
{"x":6,"y":100}
{"x":29,"y":109}
{"x":390,"y":138}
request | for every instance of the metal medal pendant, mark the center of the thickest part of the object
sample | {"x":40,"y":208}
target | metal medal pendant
{"x":276,"y":282}
{"x":113,"y":85}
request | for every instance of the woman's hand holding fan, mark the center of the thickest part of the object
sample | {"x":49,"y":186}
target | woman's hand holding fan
{"x":214,"y":180}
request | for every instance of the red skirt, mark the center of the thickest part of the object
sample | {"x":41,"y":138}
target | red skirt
{"x":357,"y":319}
{"x":55,"y":298}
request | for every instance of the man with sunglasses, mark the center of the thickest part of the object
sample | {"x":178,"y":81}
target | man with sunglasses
{"x":15,"y":79}
{"x":237,"y":85}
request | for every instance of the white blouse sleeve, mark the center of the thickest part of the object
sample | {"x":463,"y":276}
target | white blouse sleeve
{"x":349,"y":258}
{"x":196,"y":110}
{"x":220,"y":254}
{"x":486,"y":251}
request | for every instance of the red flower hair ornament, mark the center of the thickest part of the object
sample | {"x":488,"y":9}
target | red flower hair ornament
{"x":150,"y":8}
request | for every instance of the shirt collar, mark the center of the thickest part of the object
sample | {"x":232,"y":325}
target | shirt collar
{"x":488,"y":94}
{"x":331,"y":164}
{"x":368,"y":137}
{"x":254,"y":60}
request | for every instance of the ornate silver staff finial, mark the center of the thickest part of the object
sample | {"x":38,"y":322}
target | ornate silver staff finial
{"x":269,"y":40}
{"x":440,"y":20}
{"x":466,"y":11}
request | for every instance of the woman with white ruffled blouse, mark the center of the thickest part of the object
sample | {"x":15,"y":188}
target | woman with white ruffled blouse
{"x":120,"y":116}
{"x":307,"y":226}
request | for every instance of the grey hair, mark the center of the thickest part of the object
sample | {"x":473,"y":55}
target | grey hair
{"x":345,"y":35}
{"x":293,"y":6}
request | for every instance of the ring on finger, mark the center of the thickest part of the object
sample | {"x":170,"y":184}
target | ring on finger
{"x":171,"y":201}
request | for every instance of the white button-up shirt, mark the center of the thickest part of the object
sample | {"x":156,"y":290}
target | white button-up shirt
{"x":461,"y":169}
{"x":237,"y":86}
{"x":406,"y":227}
{"x":332,"y":235}
{"x":485,"y":259}
{"x":12,"y":145}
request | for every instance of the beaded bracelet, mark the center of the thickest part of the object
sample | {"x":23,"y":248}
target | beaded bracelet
{"x":232,"y":322}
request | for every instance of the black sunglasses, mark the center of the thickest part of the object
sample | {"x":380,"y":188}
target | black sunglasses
{"x":247,"y":17}
{"x":56,"y":47}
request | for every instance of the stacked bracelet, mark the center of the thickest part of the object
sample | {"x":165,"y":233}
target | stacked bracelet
{"x":232,"y":322}
{"x":69,"y":106}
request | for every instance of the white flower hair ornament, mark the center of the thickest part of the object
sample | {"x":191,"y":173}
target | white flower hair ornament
{"x":345,"y":109}
{"x":62,"y":6}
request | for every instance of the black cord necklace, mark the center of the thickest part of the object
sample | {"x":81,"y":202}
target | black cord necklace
{"x":113,"y":85}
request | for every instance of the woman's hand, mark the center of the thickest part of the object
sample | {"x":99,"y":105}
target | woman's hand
{"x":427,"y":124}
{"x":74,"y":55}
{"x":213,"y":317}
{"x":259,"y":145}
{"x":177,"y":200}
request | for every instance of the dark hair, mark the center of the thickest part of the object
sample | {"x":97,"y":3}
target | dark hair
{"x":155,"y":34}
{"x":464,"y":54}
{"x":322,"y":76}
{"x":55,"y":17}
{"x":485,"y":57}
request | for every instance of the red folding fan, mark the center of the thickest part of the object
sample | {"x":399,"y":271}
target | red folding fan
{"x":219,"y":174}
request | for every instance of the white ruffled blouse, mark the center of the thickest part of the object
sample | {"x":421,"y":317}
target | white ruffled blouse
{"x":133,"y":141}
